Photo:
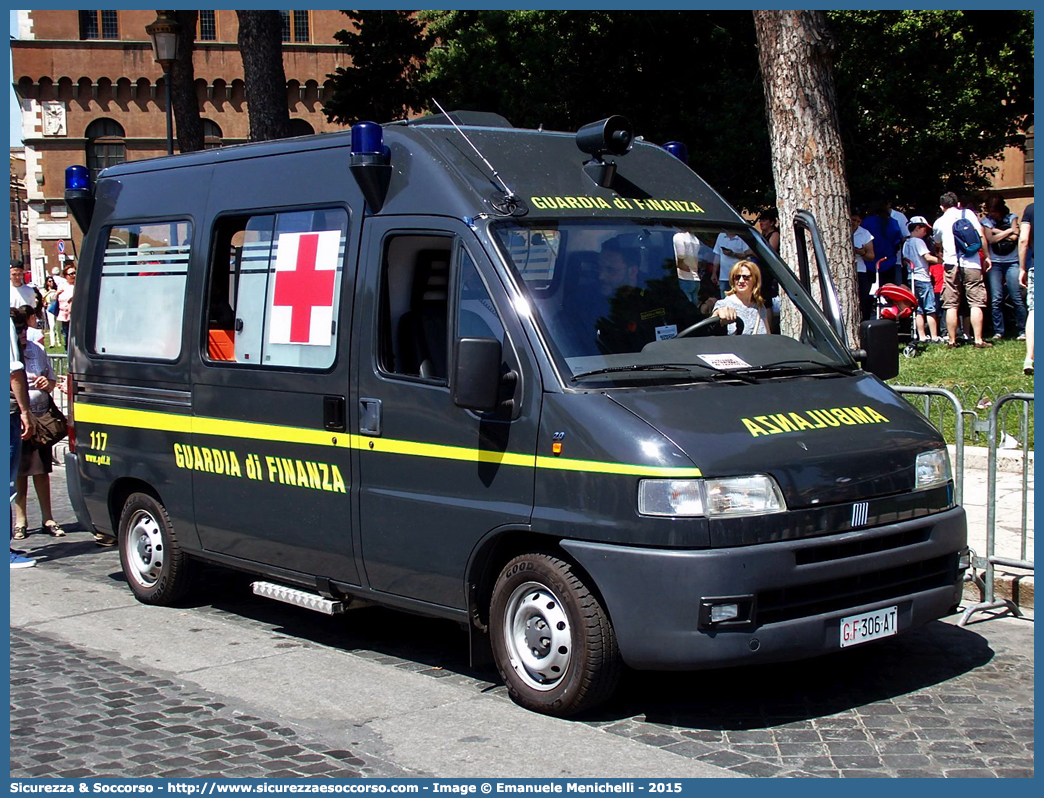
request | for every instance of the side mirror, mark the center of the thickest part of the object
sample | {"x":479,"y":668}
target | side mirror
{"x":879,"y":339}
{"x":476,"y":379}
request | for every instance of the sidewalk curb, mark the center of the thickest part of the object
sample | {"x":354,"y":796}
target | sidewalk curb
{"x":1017,"y":588}
{"x":978,"y":458}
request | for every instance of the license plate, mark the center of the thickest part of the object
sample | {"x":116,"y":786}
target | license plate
{"x":856,"y":629}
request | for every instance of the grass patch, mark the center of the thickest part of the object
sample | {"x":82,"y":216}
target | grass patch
{"x":978,"y":377}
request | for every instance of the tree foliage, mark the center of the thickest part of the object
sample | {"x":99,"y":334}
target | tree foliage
{"x":388,"y":51}
{"x":677,"y":75}
{"x":927,"y":96}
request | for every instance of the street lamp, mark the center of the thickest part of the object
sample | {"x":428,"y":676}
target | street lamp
{"x":164,"y":34}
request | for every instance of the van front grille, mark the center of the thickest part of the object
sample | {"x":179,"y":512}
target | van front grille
{"x":855,"y":548}
{"x":802,"y":601}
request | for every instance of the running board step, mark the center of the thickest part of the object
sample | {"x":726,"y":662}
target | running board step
{"x":299,"y":598}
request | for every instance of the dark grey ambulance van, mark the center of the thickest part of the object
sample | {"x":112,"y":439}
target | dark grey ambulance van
{"x":453,"y":367}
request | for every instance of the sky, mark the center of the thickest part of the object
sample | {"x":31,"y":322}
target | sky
{"x":16,"y":118}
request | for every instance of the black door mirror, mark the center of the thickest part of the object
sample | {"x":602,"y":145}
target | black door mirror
{"x":879,"y":339}
{"x":476,"y":379}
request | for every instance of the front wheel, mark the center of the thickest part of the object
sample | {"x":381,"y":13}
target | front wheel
{"x":156,"y":568}
{"x":553,"y":641}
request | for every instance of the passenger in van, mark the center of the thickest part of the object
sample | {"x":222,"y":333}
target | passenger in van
{"x":743,"y":300}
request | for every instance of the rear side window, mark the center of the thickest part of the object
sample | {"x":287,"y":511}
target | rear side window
{"x":275,"y":287}
{"x":141,"y":297}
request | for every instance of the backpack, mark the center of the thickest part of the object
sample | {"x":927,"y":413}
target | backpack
{"x":965,"y":237}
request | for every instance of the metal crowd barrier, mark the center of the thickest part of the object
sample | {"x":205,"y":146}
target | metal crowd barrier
{"x":935,"y":416}
{"x":60,"y":365}
{"x":996,"y":430}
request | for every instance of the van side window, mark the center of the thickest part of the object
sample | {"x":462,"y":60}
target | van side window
{"x":477,"y":316}
{"x":275,"y":287}
{"x":414,"y":306}
{"x":141,"y":296}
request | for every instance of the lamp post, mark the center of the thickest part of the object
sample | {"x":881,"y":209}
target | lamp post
{"x":164,"y":34}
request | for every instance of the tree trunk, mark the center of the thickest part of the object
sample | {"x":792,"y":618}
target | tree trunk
{"x":795,"y":49}
{"x":187,"y":121}
{"x":261,"y":45}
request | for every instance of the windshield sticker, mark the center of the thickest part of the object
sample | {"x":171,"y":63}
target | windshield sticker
{"x":617,"y":203}
{"x":725,"y":361}
{"x":812,"y":419}
{"x":667,"y":332}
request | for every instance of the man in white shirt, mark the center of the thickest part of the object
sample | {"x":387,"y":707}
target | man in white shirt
{"x":963,"y":272}
{"x":730,"y":249}
{"x":21,"y":292}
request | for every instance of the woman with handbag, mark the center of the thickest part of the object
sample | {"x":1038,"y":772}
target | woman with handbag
{"x":36,"y":459}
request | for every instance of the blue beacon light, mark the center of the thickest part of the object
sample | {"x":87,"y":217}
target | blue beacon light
{"x":678,"y":150}
{"x":370,"y":163}
{"x":368,"y":144}
{"x":77,"y":178}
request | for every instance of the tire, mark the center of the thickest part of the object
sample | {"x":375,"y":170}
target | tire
{"x":552,"y":639}
{"x":156,"y":568}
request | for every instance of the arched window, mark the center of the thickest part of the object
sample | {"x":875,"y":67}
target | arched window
{"x":105,"y":145}
{"x":299,"y":127}
{"x":211,"y":135}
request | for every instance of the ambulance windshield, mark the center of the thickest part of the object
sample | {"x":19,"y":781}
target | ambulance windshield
{"x":624,"y":300}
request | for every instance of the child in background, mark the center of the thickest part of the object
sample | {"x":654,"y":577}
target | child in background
{"x":918,"y":258}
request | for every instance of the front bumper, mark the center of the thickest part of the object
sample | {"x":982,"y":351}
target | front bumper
{"x":801,"y":589}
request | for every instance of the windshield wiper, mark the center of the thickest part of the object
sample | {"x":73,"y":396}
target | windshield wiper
{"x":687,"y":367}
{"x":781,"y":365}
{"x":632,"y":367}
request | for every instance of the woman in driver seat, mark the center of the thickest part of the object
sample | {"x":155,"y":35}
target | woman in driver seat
{"x":743,"y":300}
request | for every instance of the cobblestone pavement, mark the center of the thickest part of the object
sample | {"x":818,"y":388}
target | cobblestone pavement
{"x":940,"y":701}
{"x":78,"y":715}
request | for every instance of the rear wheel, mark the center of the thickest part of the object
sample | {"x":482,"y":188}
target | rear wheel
{"x":552,"y":640}
{"x":157,"y":570}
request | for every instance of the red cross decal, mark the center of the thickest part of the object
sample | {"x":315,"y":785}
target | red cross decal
{"x":304,"y":288}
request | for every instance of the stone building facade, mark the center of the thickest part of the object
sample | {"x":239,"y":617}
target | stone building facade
{"x":92,"y":93}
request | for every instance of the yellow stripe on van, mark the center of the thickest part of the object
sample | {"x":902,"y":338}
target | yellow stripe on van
{"x":565,"y":464}
{"x":250,"y":430}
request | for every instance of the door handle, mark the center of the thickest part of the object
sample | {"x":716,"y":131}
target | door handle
{"x":370,"y":417}
{"x":333,"y":414}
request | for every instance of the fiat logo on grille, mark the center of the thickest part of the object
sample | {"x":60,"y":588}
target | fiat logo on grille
{"x":860,"y":513}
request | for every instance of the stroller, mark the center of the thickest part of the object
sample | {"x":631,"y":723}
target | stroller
{"x":899,"y":302}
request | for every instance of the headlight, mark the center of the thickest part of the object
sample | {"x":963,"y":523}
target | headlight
{"x":689,"y":498}
{"x":754,"y":495}
{"x":933,"y":468}
{"x":670,"y":497}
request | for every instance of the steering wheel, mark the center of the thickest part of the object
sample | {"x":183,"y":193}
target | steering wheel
{"x":707,"y":322}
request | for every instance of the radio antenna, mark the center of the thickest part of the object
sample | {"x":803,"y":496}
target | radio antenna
{"x":508,"y":193}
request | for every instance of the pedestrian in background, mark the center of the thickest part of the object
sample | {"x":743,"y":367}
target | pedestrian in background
{"x":1001,"y":228}
{"x":35,"y":461}
{"x":22,"y":293}
{"x":863,"y":245}
{"x":22,"y":426}
{"x":918,"y":260}
{"x":65,"y":300}
{"x":963,"y":273}
{"x":50,"y":298}
{"x":1026,"y":280}
{"x":888,"y":242}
